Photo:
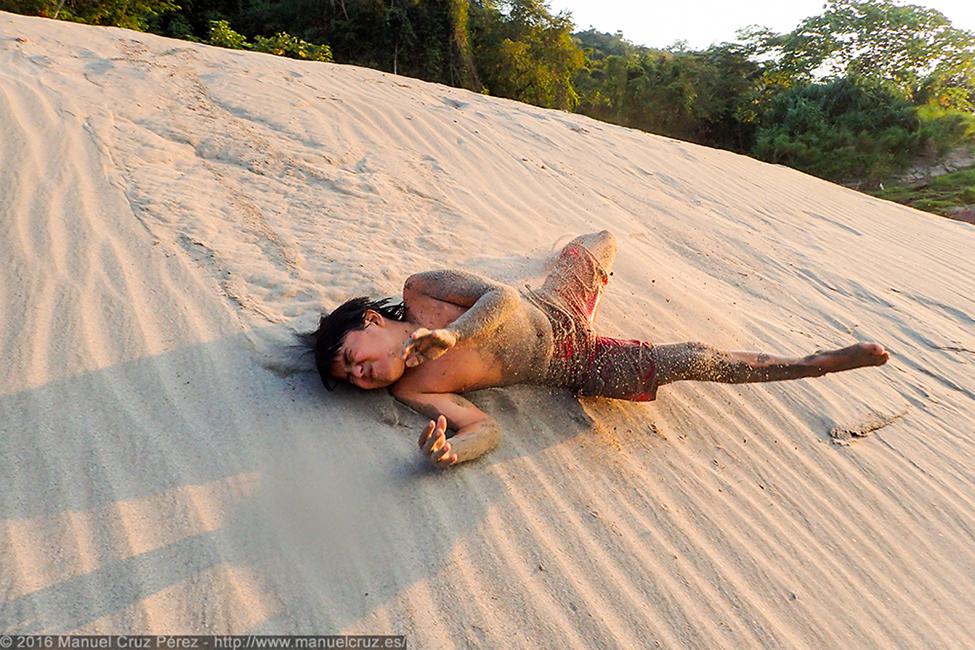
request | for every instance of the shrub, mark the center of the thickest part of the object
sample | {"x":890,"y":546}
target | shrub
{"x":281,"y":44}
{"x":842,"y":130}
{"x":222,"y":35}
{"x":284,"y":44}
{"x":942,"y":130}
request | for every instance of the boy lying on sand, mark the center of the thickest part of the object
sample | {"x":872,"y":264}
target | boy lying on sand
{"x":456,"y":332}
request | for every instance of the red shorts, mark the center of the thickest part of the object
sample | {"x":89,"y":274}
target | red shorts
{"x":588,"y":364}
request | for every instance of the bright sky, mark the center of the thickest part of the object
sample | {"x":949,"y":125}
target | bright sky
{"x":703,"y":22}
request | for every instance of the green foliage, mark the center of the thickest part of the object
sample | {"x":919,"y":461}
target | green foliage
{"x":428,"y":39}
{"x":963,"y":181}
{"x":843,"y":130}
{"x":898,"y":83}
{"x":913,"y":47}
{"x":705,"y":96}
{"x":951,"y":85}
{"x":222,"y":35}
{"x":177,"y":26}
{"x":944,"y":195}
{"x":942,"y":130}
{"x":462,"y":54}
{"x":284,"y":44}
{"x":281,"y":44}
{"x":856,"y":93}
{"x":527,"y":53}
{"x":939,"y":206}
{"x":132,"y":14}
{"x":959,"y":182}
{"x":599,"y":45}
{"x":29,"y":7}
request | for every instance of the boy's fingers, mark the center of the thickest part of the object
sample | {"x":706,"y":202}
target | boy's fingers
{"x":434,"y":437}
{"x":426,"y":433}
{"x":446,"y":460}
{"x":410,"y":342}
{"x":440,"y":453}
{"x":442,"y":460}
{"x":434,"y":443}
{"x":439,"y":441}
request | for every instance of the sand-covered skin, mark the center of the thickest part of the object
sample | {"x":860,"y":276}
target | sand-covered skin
{"x":170,"y":214}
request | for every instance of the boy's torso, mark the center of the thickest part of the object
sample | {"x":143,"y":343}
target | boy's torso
{"x":518,"y":351}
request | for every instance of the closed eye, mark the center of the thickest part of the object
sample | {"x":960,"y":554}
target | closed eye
{"x":348,"y":363}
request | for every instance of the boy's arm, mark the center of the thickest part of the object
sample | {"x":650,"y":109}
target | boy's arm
{"x":477,"y":432}
{"x":488,"y":303}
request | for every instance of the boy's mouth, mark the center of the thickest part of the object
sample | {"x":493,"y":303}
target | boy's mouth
{"x":372,"y":371}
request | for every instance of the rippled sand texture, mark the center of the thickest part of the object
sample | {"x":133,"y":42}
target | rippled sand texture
{"x":170,"y":214}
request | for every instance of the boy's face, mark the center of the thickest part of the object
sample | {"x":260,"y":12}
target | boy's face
{"x":370,"y":358}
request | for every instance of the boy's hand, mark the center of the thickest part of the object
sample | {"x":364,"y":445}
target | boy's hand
{"x":433,"y":443}
{"x":425,"y":345}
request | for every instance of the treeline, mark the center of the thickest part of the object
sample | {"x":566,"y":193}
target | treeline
{"x":855,"y":94}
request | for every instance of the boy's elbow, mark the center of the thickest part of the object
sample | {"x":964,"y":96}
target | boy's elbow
{"x":413,"y":286}
{"x":493,"y":431}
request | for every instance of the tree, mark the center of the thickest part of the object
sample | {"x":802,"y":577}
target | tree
{"x":913,"y":47}
{"x":132,"y":14}
{"x":710,"y":96}
{"x":463,"y":71}
{"x":526,"y":53}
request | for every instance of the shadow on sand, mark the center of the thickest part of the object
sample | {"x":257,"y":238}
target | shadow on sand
{"x":194,"y":491}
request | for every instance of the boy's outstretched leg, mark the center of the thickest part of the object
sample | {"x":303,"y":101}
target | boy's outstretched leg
{"x":701,"y":362}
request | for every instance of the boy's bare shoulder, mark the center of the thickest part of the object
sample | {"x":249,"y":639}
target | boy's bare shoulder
{"x":437,"y":376}
{"x":407,"y":385}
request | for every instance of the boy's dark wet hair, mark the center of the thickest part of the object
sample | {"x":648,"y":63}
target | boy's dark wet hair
{"x":349,"y":316}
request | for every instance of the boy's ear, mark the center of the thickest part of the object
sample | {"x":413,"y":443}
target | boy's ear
{"x":374,"y":317}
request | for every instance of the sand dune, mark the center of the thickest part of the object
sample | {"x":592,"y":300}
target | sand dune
{"x":172,"y":214}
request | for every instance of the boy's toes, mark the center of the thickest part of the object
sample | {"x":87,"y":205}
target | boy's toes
{"x":876,"y":351}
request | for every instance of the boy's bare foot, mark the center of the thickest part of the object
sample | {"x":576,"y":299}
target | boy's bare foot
{"x":855,"y":356}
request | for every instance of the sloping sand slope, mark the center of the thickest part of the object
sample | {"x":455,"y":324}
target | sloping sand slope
{"x":172,"y":213}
